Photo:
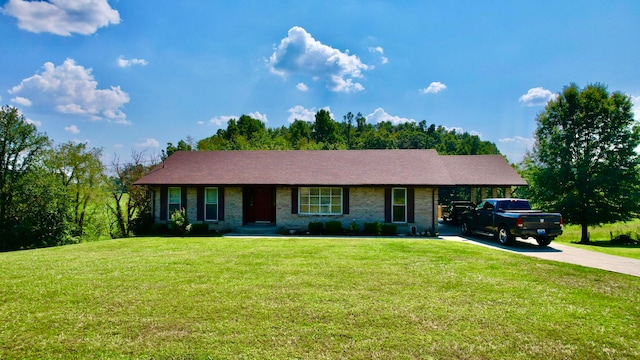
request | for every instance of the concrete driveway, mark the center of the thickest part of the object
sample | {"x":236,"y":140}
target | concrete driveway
{"x":555,"y":252}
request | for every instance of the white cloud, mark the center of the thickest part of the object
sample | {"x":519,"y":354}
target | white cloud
{"x":21,"y":101}
{"x":33,"y":122}
{"x":379,"y":115}
{"x":62,"y":17}
{"x":379,"y":50}
{"x":222,"y":120}
{"x":434,"y":88}
{"x":515,"y":147}
{"x":299,"y":112}
{"x":302,"y":87}
{"x":455,"y":129}
{"x":258,"y":116}
{"x":300,"y":53}
{"x":149,"y":142}
{"x":536,"y":96}
{"x":72,"y":129}
{"x":518,"y":140}
{"x":636,"y":106}
{"x":123,"y":63}
{"x":71,"y":89}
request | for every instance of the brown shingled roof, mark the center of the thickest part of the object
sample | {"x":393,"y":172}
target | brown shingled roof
{"x":325,"y":167}
{"x":481,"y":170}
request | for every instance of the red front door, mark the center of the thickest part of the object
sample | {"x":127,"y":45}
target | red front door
{"x":259,"y":205}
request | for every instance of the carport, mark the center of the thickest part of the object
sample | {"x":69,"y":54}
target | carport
{"x":482,"y":176}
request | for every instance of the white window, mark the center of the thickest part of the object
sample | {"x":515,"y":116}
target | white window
{"x":211,"y":204}
{"x":320,"y":200}
{"x":175,"y":197}
{"x":399,"y":205}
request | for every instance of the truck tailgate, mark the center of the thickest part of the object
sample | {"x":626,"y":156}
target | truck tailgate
{"x":540,"y":221}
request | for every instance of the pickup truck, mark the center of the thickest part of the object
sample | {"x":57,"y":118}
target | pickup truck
{"x":507,"y":219}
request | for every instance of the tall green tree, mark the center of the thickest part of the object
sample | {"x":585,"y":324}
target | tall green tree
{"x":41,"y":212}
{"x":326,"y":131}
{"x":584,"y":162}
{"x":81,"y":171}
{"x":32,"y":206}
{"x":348,"y":128}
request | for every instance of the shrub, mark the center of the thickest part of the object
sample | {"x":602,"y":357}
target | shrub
{"x":353,"y":227}
{"x":199,"y":229}
{"x":389,"y":229}
{"x":142,"y":225}
{"x":316,"y":227}
{"x":179,"y":223}
{"x":333,"y":227}
{"x":372,"y":228}
{"x":160,"y":229}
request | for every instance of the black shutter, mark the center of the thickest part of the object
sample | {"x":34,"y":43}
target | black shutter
{"x":183,"y":198}
{"x":221,"y":203}
{"x":345,"y":200}
{"x":387,"y":205}
{"x":164,"y":202}
{"x":294,"y":200}
{"x":411,"y":208}
{"x":200,"y":204}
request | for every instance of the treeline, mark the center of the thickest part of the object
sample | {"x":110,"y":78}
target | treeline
{"x":246,"y":133}
{"x":61,"y":194}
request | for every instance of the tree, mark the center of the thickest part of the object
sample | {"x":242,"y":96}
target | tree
{"x":326,"y":131}
{"x":348,"y":125}
{"x":584,"y":161}
{"x":131,"y":205}
{"x":182,"y":146}
{"x":80,"y":170}
{"x":299,"y":134}
{"x":21,"y":150}
{"x":41,"y":212}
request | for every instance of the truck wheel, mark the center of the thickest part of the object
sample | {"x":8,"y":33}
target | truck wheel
{"x":543,"y":241}
{"x":504,"y":236}
{"x":464,"y":229}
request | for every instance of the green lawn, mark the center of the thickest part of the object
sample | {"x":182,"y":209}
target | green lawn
{"x":600,"y":236}
{"x":309,"y":298}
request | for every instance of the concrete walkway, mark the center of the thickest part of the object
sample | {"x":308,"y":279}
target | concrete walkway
{"x":559,"y":252}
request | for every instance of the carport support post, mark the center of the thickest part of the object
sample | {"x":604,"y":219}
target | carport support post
{"x":494,"y":192}
{"x":507,"y":191}
{"x":474,"y":195}
{"x":483,"y":192}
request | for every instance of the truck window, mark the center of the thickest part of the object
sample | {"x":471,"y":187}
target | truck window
{"x":514,"y":205}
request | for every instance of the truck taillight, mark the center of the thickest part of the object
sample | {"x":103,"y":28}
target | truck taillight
{"x":520,"y":222}
{"x":561,"y":223}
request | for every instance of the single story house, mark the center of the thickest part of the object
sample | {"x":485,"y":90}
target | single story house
{"x":290,"y":189}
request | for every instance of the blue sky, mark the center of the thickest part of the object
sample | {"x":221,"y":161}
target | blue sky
{"x":132,"y":75}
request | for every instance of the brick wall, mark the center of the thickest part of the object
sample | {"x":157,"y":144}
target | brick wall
{"x":366,"y":204}
{"x":232,"y":208}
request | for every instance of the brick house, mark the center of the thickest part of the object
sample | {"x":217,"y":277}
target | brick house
{"x":230,"y":190}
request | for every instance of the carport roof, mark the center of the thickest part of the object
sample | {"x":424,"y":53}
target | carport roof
{"x":331,"y":167}
{"x":481,"y":170}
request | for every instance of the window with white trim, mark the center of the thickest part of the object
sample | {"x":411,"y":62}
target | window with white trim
{"x":399,"y":205}
{"x":211,"y":204}
{"x":174,"y":200}
{"x":320,"y":200}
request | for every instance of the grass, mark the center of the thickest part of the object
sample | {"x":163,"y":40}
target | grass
{"x":309,"y":298}
{"x":601,"y":235}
